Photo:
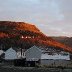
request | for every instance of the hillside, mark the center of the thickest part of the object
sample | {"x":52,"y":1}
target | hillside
{"x":64,"y":40}
{"x":21,"y":34}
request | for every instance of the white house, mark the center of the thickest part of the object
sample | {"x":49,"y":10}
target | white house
{"x":21,"y":55}
{"x":52,"y":53}
{"x":54,"y":58}
{"x":33,"y":54}
{"x":10,"y":54}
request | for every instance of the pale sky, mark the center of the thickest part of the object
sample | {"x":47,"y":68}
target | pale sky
{"x":52,"y":17}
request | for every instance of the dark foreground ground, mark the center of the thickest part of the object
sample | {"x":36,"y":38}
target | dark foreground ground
{"x":32,"y":69}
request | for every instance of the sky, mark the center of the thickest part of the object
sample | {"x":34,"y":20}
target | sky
{"x":52,"y":17}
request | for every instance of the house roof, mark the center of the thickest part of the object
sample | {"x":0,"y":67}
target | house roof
{"x":10,"y":49}
{"x":34,"y":47}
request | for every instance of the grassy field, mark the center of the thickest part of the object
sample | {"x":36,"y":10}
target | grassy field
{"x":32,"y":69}
{"x":11,"y":68}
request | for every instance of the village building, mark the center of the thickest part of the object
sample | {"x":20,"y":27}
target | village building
{"x":10,"y":54}
{"x":21,"y":58}
{"x":33,"y":55}
{"x":21,"y":53}
{"x":53,"y":57}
